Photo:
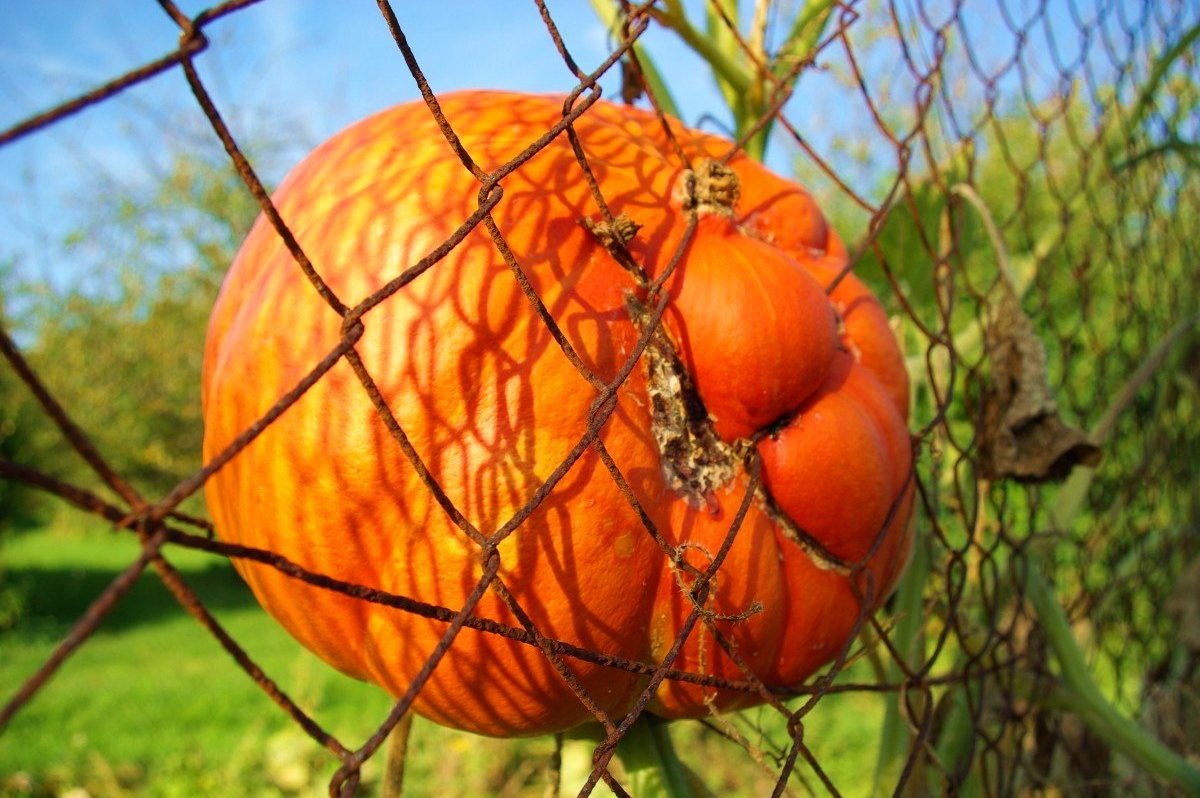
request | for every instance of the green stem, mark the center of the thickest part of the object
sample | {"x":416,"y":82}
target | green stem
{"x":756,"y":145}
{"x":1159,"y":72}
{"x":720,"y":37}
{"x":397,"y":757}
{"x":724,"y":64}
{"x":651,"y":767}
{"x":954,"y":744}
{"x":575,"y":762}
{"x":609,"y":14}
{"x":1072,"y":494}
{"x":1079,"y":693}
{"x":1188,"y":150}
{"x":894,"y":739}
{"x":807,"y":29}
{"x":747,"y":80}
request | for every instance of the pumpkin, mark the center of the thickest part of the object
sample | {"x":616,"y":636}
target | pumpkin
{"x":780,"y":363}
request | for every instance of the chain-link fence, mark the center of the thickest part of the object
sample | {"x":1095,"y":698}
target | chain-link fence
{"x":1016,"y":181}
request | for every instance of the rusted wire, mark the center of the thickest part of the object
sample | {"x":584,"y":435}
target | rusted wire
{"x":1018,"y":107}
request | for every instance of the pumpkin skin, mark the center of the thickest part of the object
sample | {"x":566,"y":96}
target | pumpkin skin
{"x":492,"y":406}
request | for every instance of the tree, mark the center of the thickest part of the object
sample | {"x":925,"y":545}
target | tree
{"x":123,"y":351}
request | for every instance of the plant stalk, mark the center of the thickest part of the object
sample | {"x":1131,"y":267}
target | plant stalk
{"x":609,"y":14}
{"x":575,"y":761}
{"x":397,"y":755}
{"x":894,"y":739}
{"x":651,"y":767}
{"x":724,"y":63}
{"x":1079,"y":693}
{"x":1072,"y":494}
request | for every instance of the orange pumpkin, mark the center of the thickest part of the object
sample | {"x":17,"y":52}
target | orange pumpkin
{"x":811,"y":379}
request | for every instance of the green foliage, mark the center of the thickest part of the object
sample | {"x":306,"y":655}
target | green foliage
{"x":1089,"y":211}
{"x":123,"y":349}
{"x":19,"y":505}
{"x":751,"y":76}
{"x":224,"y":737}
{"x":80,"y":732}
{"x":231,"y":740}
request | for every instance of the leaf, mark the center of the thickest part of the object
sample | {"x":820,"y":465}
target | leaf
{"x":610,"y":15}
{"x":724,"y":41}
{"x":807,"y":29}
{"x":1023,"y":436}
{"x":908,"y":238}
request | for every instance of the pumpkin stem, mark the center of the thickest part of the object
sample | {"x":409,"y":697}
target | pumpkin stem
{"x":652,"y":767}
{"x":649,"y":766}
{"x":710,"y":188}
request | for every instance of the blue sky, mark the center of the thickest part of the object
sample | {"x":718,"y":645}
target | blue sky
{"x":293,"y":69}
{"x":299,"y":70}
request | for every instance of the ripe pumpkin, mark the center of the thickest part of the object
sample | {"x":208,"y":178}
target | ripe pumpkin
{"x":811,"y":379}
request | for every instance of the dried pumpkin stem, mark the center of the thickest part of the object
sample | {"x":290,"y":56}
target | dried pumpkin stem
{"x":617,"y":233}
{"x":615,"y":236}
{"x":710,"y":188}
{"x":695,"y":460}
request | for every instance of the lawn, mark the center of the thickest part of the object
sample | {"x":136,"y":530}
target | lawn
{"x":152,"y":705}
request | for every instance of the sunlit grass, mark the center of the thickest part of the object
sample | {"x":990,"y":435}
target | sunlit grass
{"x":152,"y":705}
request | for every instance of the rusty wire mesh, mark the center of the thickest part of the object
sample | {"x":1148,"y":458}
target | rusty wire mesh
{"x":1089,"y":201}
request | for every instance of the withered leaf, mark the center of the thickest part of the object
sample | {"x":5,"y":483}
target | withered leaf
{"x":1023,"y":436}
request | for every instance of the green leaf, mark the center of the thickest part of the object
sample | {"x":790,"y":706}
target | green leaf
{"x":725,"y":64}
{"x":610,"y":15}
{"x":807,"y":29}
{"x":723,"y":40}
{"x":1158,"y":73}
{"x":909,"y":238}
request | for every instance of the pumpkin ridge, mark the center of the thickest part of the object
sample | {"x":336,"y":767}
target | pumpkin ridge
{"x":816,"y":551}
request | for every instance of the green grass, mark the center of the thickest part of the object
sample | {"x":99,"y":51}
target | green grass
{"x":152,"y":698}
{"x":152,"y":705}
